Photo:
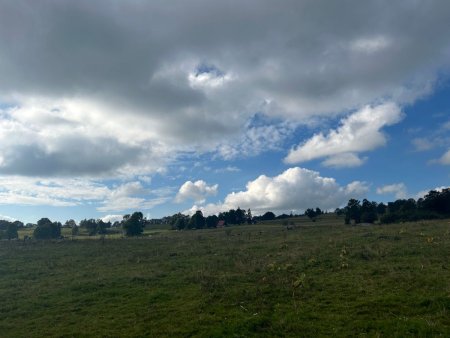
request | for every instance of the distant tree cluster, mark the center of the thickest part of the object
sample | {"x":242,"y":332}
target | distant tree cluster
{"x":92,"y":226}
{"x":313,"y":213}
{"x":434,"y":205}
{"x":198,"y":221}
{"x":9,"y":230}
{"x":47,"y":229}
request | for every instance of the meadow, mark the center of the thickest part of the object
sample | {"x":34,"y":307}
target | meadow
{"x":321,"y":278}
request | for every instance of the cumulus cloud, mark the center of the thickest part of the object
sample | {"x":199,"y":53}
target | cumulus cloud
{"x":399,"y":190}
{"x":296,"y":189}
{"x":197,"y":191}
{"x":359,"y":132}
{"x":112,"y":218}
{"x":130,"y":86}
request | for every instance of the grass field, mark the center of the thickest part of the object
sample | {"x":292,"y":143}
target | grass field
{"x":319,"y":279}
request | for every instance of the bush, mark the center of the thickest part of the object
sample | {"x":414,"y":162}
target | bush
{"x":47,"y":230}
{"x":369,"y":217}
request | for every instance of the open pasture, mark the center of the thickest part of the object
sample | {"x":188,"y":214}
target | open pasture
{"x":321,"y":278}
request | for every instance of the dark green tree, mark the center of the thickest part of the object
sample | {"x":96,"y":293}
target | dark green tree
{"x":70,"y":223}
{"x":211,"y":221}
{"x":311,"y":213}
{"x":240,"y":216}
{"x":46,"y":229}
{"x":90,"y":225}
{"x":197,"y":220}
{"x":11,"y":231}
{"x":353,"y":211}
{"x":368,"y":211}
{"x":134,"y":224}
{"x":268,"y":216}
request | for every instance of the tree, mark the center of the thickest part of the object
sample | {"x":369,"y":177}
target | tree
{"x":381,"y":208}
{"x":368,"y":211}
{"x":268,"y":216}
{"x":18,"y":224}
{"x":90,"y":225}
{"x":211,"y":221}
{"x":70,"y":223}
{"x":197,"y":221}
{"x":75,"y":231}
{"x":311,"y":213}
{"x":46,"y":229}
{"x":353,"y":211}
{"x":101,"y":227}
{"x":11,"y":231}
{"x":249,"y":216}
{"x":178,"y":221}
{"x":134,"y":224}
{"x":240,"y":216}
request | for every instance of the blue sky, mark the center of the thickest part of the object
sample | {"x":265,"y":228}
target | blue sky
{"x":111,"y":107}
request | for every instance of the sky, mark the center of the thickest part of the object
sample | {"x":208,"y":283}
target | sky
{"x":109,"y":107}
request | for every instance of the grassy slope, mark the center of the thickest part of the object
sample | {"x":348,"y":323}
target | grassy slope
{"x":259,"y":280}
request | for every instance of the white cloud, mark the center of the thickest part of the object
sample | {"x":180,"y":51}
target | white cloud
{"x":7,"y":218}
{"x":345,"y":160}
{"x":296,"y":189}
{"x":359,"y":132}
{"x":399,"y":190}
{"x":197,"y":191}
{"x":112,"y":218}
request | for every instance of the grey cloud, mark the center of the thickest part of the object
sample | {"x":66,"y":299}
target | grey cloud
{"x":115,"y":47}
{"x":133,"y":58}
{"x":71,"y":157}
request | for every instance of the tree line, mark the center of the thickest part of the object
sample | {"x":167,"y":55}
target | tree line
{"x":434,"y":205}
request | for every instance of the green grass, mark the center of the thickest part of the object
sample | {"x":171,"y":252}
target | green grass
{"x":320,"y":279}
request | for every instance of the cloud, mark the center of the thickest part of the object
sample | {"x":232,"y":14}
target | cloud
{"x":64,"y":192}
{"x":229,"y":168}
{"x":197,"y":191}
{"x":123,"y":88}
{"x":422,"y":144}
{"x":359,"y":132}
{"x":399,"y":190}
{"x":7,"y":218}
{"x":296,"y":189}
{"x":345,"y":160}
{"x":257,"y":139}
{"x":445,"y":159}
{"x":112,"y":218}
